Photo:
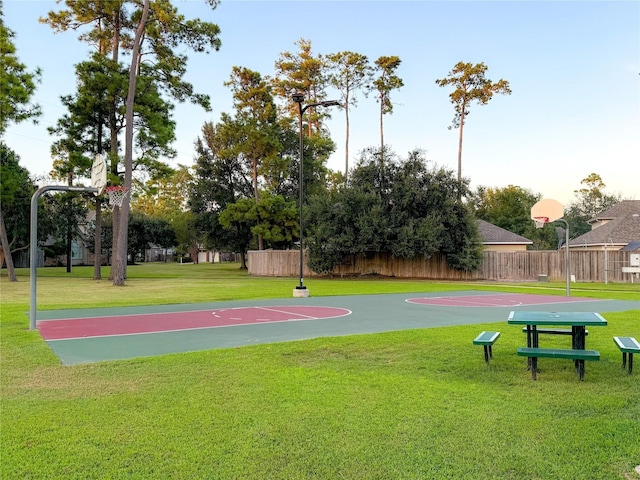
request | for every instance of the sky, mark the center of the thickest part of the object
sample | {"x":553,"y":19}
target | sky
{"x":573,"y":68}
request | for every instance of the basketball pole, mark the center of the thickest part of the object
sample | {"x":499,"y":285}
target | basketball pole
{"x":548,"y":210}
{"x":33,"y":253}
{"x":567,"y":254}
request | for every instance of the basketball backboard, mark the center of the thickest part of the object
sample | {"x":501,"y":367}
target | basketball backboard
{"x":546,"y":210}
{"x":99,"y":174}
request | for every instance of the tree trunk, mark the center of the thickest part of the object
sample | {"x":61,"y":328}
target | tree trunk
{"x":346,"y":142}
{"x":118,"y":269}
{"x":69,"y":247}
{"x":6,"y":250}
{"x":97,"y":242}
{"x":381,"y":130}
{"x":256,"y":193}
{"x":460,"y":144}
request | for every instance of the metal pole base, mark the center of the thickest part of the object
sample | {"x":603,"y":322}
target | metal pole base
{"x":300,"y":292}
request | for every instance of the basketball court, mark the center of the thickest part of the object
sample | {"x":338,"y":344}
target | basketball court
{"x":94,"y":335}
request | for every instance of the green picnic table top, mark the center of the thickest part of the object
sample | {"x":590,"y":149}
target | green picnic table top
{"x":556,"y":318}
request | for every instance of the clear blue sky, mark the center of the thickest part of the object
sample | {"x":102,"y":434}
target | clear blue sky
{"x":574,"y":69}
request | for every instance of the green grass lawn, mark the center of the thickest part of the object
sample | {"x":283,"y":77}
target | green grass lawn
{"x":418,"y":404}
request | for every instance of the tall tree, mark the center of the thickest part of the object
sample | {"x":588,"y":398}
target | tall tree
{"x":152,"y":30}
{"x":302,"y":72}
{"x":17,"y":86}
{"x":349,"y":72}
{"x":119,"y":263}
{"x":221,"y":178}
{"x":84,"y":131}
{"x":386,"y":81}
{"x":256,"y":122}
{"x":470,"y":86}
{"x":591,"y":198}
{"x":106,"y":26}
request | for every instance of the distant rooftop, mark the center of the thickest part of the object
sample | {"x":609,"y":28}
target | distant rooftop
{"x":492,"y":235}
{"x":622,"y":227}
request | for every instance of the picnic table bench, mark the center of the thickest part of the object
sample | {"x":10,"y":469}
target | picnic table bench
{"x":628,"y":346}
{"x":578,"y":355}
{"x":487,"y":339}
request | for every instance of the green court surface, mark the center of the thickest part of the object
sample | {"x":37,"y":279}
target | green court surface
{"x":365,"y":314}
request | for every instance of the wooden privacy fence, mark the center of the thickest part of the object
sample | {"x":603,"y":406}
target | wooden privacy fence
{"x":586,"y":266}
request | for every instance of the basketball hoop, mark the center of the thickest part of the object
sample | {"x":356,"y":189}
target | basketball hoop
{"x":540,"y":221}
{"x":117,"y":194}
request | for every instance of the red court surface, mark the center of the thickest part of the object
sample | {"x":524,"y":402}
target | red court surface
{"x":169,"y":322}
{"x":497,"y":300}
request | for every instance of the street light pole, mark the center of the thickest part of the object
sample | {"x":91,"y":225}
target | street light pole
{"x":301,"y":290}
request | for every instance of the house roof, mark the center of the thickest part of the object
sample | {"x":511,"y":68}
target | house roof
{"x":619,"y":231}
{"x":632,"y":247}
{"x":620,"y":209}
{"x":492,"y":235}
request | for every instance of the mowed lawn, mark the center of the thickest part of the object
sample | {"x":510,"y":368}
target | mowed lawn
{"x":418,"y":404}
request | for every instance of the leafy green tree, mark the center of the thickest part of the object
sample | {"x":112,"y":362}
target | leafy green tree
{"x":272,"y":218}
{"x":82,"y":132}
{"x":164,"y":196}
{"x":70,"y":210}
{"x":221,"y":178}
{"x":510,"y":208}
{"x":470,"y":85}
{"x":335,"y":223}
{"x":17,"y":84}
{"x":349,"y":72}
{"x":16,"y":189}
{"x":235,"y":219}
{"x":590,"y":200}
{"x":111,"y":27}
{"x":404,"y":207}
{"x":302,"y":72}
{"x":384,"y":84}
{"x":154,"y":30}
{"x":144,"y":231}
{"x":257,"y":129}
{"x":165,"y":200}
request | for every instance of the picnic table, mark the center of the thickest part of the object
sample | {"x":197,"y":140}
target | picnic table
{"x":578,"y":321}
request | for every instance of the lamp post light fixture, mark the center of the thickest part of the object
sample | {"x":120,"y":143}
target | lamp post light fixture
{"x":301,"y":290}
